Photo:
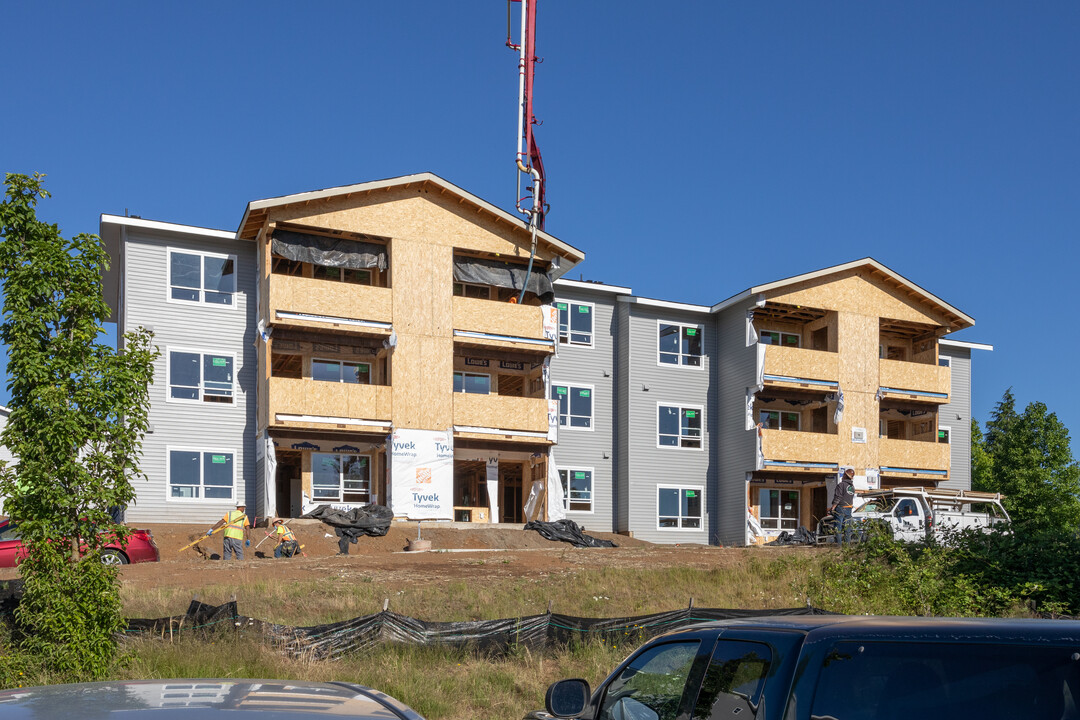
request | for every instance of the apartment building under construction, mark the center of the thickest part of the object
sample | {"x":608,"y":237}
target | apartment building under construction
{"x":390,"y":342}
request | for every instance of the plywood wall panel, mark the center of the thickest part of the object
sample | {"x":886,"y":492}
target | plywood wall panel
{"x":854,"y":291}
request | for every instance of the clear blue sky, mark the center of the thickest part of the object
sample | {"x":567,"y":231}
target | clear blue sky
{"x":746,"y":141}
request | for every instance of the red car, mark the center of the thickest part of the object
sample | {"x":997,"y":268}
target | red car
{"x":140,"y":547}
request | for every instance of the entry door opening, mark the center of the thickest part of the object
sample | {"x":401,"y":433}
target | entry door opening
{"x":287,"y":483}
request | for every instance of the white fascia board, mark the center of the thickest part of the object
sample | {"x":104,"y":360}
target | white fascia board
{"x":166,"y":227}
{"x":498,"y":431}
{"x":571,"y":255}
{"x":598,"y":287}
{"x":666,"y":304}
{"x":733,"y":300}
{"x":963,"y":344}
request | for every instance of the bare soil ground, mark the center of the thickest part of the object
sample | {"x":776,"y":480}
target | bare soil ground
{"x":468,"y":552}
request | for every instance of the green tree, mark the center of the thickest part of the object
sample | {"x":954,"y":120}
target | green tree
{"x":1029,"y":460}
{"x":78,"y":415}
{"x":982,"y":465}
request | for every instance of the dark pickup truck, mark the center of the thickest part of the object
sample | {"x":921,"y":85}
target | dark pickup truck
{"x":837,"y":667}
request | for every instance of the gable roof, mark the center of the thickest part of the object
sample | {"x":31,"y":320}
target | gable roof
{"x":957,"y":319}
{"x":257,"y":210}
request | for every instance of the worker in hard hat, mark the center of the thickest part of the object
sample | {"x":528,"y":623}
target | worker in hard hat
{"x":236,"y":529}
{"x":287,"y":546}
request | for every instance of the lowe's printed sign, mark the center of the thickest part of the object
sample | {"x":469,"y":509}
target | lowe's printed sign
{"x":422,"y":474}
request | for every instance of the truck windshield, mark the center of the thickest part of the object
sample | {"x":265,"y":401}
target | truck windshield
{"x":877,"y":505}
{"x":931,"y":681}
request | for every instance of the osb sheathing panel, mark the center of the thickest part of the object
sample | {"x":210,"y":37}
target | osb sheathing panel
{"x":802,"y":363}
{"x":538,"y":350}
{"x":497,"y":411}
{"x":423,"y":382}
{"x":326,"y":297}
{"x":914,"y":376}
{"x":914,"y":454}
{"x":305,"y":474}
{"x":419,"y":213}
{"x":858,"y":374}
{"x":497,"y":318}
{"x":508,"y":438}
{"x":796,"y":446}
{"x":853,"y":291}
{"x":301,"y":396}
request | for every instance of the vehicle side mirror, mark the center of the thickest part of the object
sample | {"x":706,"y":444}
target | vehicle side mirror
{"x":567,"y":698}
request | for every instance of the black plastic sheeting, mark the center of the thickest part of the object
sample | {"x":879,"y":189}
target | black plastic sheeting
{"x":504,"y":275}
{"x":328,"y":251}
{"x":535,"y":632}
{"x":373,"y":520}
{"x":567,"y":531}
{"x":802,"y":536}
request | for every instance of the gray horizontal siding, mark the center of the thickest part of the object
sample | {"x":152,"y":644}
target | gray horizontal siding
{"x":191,"y":326}
{"x":592,"y":366}
{"x":649,"y":466}
{"x":956,"y":414}
{"x":736,"y":446}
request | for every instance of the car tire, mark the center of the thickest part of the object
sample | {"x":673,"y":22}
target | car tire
{"x":113,"y":557}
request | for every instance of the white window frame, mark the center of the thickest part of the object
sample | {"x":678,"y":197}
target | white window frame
{"x":781,"y":333}
{"x":463,"y":373}
{"x":569,"y":311}
{"x":779,"y":519}
{"x":681,"y":407}
{"x":202,"y":280}
{"x":947,"y":361}
{"x":700,"y":489}
{"x":592,"y":490}
{"x":341,"y":480}
{"x":948,"y":429}
{"x":780,"y":419}
{"x":339,"y":361}
{"x":169,"y":449}
{"x":682,"y":326}
{"x":569,"y":388}
{"x":169,"y":350}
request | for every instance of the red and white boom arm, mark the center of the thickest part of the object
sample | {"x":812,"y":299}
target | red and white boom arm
{"x":528,"y":154}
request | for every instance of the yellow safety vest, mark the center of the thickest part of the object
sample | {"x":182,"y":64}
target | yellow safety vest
{"x":235,"y":523}
{"x":284,"y":534}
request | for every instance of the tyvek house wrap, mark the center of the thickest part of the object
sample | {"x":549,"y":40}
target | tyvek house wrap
{"x":422,"y":474}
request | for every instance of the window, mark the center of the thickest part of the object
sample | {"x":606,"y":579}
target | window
{"x":577,"y":489}
{"x":679,"y":426}
{"x":341,"y":478}
{"x":944,"y":435}
{"x":202,"y":277}
{"x":773,"y":337}
{"x":201,"y":474}
{"x":679,"y":508}
{"x":652,"y":685}
{"x":944,"y":361}
{"x":353,"y":373}
{"x":575,"y":405}
{"x":734,"y":680}
{"x":201,"y":377}
{"x":861,"y":680}
{"x":779,"y":420}
{"x":680,"y":344}
{"x":778,"y":509}
{"x":575,"y":323}
{"x":481,"y":292}
{"x":346,"y":275}
{"x":474,"y":383}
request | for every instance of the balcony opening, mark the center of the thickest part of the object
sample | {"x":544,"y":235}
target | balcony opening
{"x":486,"y":372}
{"x":908,"y":342}
{"x":346,"y":359}
{"x":908,"y":421}
{"x":328,"y":255}
{"x":793,"y":326}
{"x":795,"y":411}
{"x":491,"y":277}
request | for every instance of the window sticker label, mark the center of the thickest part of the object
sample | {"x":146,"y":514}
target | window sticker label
{"x":691,"y":331}
{"x":560,"y":391}
{"x":561,"y":306}
{"x":218,"y":362}
{"x":584,"y":393}
{"x":583,"y":309}
{"x":217,"y":459}
{"x":691,"y":413}
{"x":578,"y":475}
{"x":691,"y":493}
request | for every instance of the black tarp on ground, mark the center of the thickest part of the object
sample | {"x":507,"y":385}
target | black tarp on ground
{"x":535,"y":632}
{"x":567,"y":531}
{"x":802,"y":536}
{"x":373,"y":520}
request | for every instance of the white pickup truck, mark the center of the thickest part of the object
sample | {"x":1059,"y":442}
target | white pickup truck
{"x":913,"y":513}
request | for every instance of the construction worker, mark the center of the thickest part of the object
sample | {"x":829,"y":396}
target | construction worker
{"x":287,"y":546}
{"x":236,"y":530}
